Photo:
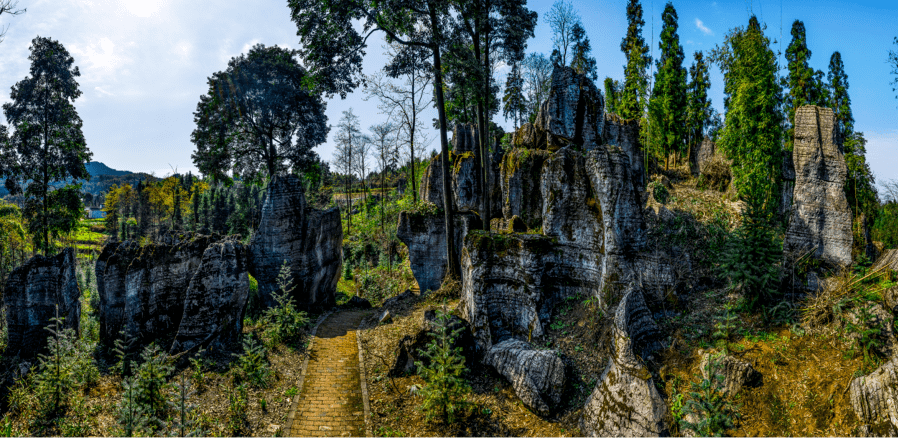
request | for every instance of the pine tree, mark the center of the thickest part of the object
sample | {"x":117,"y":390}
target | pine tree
{"x":637,"y":52}
{"x":612,"y":96}
{"x":582,"y":62}
{"x":800,"y":81}
{"x":838,"y":99}
{"x":667,"y":108}
{"x":514,"y":102}
{"x":698,"y":113}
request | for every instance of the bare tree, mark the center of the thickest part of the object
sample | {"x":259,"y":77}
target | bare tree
{"x":387,"y":154}
{"x":348,"y":136}
{"x":562,"y":18}
{"x":889,"y":190}
{"x":537,"y":72}
{"x":404,"y":104}
{"x":361,"y":162}
{"x":8,"y":7}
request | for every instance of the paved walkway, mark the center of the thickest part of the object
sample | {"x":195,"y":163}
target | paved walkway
{"x":331,"y":400}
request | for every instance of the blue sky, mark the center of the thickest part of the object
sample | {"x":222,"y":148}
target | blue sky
{"x":144,"y":63}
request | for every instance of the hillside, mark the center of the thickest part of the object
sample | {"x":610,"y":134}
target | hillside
{"x":96,"y":168}
{"x":101,"y":178}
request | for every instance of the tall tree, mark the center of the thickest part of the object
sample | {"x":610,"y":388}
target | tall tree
{"x":562,"y":18}
{"x":385,"y":149}
{"x":612,"y":95}
{"x":582,"y":61}
{"x":514,"y":102}
{"x":47,"y":149}
{"x":636,"y":50}
{"x":258,"y":118}
{"x":800,"y":80}
{"x":698,"y":110}
{"x":839,"y":100}
{"x":667,"y":108}
{"x":752,"y":134}
{"x":537,"y":74}
{"x":348,"y":136}
{"x":333,"y":48}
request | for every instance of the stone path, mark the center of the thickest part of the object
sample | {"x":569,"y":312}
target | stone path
{"x":331,"y":400}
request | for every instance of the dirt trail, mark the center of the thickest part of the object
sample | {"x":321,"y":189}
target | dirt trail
{"x":330,"y":403}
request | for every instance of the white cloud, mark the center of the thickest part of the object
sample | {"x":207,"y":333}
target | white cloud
{"x":882,"y":153}
{"x":249,"y":45}
{"x":101,"y":59}
{"x":143,"y":8}
{"x":102,"y":91}
{"x":701,"y":26}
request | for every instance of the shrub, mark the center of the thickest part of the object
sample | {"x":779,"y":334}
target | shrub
{"x":714,"y":413}
{"x":445,"y":390}
{"x":659,"y":192}
{"x":183,"y":425}
{"x":752,"y":254}
{"x":283,"y":323}
{"x":237,"y":405}
{"x":131,"y":415}
{"x":253,"y":364}
{"x":198,"y":370}
{"x":151,"y":384}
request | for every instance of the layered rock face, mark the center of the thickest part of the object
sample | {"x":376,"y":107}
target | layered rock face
{"x":33,"y":292}
{"x":188,"y":289}
{"x":820,"y":221}
{"x":520,"y":176}
{"x":574,"y":112}
{"x":625,"y":135}
{"x":309,"y":240}
{"x":537,"y":376}
{"x":702,"y":155}
{"x":874,"y":398}
{"x":626,"y":402}
{"x":425,"y":237}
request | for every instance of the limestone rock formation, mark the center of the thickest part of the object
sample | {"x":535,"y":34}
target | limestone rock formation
{"x":574,"y":112}
{"x":431,"y":188}
{"x":309,"y":240}
{"x":571,"y":211}
{"x":788,"y":188}
{"x":32,"y":293}
{"x":701,"y":155}
{"x":888,"y":260}
{"x":871,"y":317}
{"x":625,"y":135}
{"x":411,"y":346}
{"x":215,"y":300}
{"x":626,"y":402}
{"x":735,"y":372}
{"x":465,"y":186}
{"x":529,"y":136}
{"x":464,"y":138}
{"x":874,"y":398}
{"x":425,"y":237}
{"x":520,"y":182}
{"x":537,"y":376}
{"x":820,"y":221}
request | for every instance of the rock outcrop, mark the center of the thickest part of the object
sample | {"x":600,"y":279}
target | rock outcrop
{"x":625,"y":402}
{"x":520,"y":181}
{"x":537,"y":376}
{"x":465,"y":185}
{"x":625,"y":135}
{"x":874,"y":398}
{"x":574,"y":112}
{"x":464,"y":138}
{"x":888,"y":260}
{"x":820,"y":221}
{"x":431,"y":188}
{"x":31,"y":296}
{"x":410,"y":347}
{"x":215,"y":300}
{"x":425,"y":237}
{"x":736,"y":373}
{"x":309,"y":240}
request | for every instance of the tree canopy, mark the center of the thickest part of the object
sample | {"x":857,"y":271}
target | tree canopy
{"x":634,"y":47}
{"x":258,"y":118}
{"x":667,"y":107}
{"x":698,"y":107}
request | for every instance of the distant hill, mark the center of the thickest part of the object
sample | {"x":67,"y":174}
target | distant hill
{"x":96,"y":168}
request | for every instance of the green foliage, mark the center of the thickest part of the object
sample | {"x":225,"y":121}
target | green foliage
{"x":723,"y":328}
{"x":860,"y":189}
{"x":869,"y":335}
{"x":752,"y":134}
{"x":183,"y":425}
{"x":634,"y":47}
{"x":752,"y":255}
{"x":131,"y":415}
{"x":804,"y":85}
{"x":612,"y":96}
{"x":698,"y":106}
{"x":514,"y":105}
{"x":715,"y":413}
{"x":283,"y":323}
{"x":253,"y":363}
{"x":667,"y":107}
{"x":885,"y":227}
{"x":238,"y":403}
{"x":659,"y":192}
{"x":198,"y":370}
{"x":445,"y":389}
{"x":151,"y":384}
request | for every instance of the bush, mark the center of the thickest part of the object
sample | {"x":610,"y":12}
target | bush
{"x":885,"y":227}
{"x":716,"y":173}
{"x":714,"y":413}
{"x":445,"y":390}
{"x":253,"y":364}
{"x":131,"y":415}
{"x":283,"y":323}
{"x":183,"y":425}
{"x":659,"y":192}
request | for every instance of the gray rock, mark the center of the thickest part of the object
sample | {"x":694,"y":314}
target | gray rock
{"x":702,"y":154}
{"x":310,"y":240}
{"x":385,"y":318}
{"x":464,"y":138}
{"x":537,"y":376}
{"x":873,"y":317}
{"x":424,"y":235}
{"x":888,"y":260}
{"x":465,"y":186}
{"x":736,"y":373}
{"x":874,"y":398}
{"x":216,"y":296}
{"x":529,"y":136}
{"x":431,"y":187}
{"x":571,"y":212}
{"x":890,"y":299}
{"x":573,"y":113}
{"x":625,"y":135}
{"x":788,"y":188}
{"x":820,"y":220}
{"x":521,"y":172}
{"x":31,"y":296}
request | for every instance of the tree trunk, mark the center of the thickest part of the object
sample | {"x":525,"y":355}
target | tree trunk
{"x":484,"y":133}
{"x":453,"y":264}
{"x":411,"y":136}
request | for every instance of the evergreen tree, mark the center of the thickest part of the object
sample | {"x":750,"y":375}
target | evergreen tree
{"x":752,"y":134}
{"x":612,"y":96}
{"x":514,"y":102}
{"x":698,"y":112}
{"x":893,"y":63}
{"x":838,"y":99}
{"x":636,"y":50}
{"x":800,"y":81}
{"x":582,"y":62}
{"x":667,"y":108}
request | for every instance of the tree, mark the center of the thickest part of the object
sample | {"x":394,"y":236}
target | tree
{"x":752,"y":133}
{"x":698,"y":107}
{"x":839,"y":100}
{"x":387,"y":153}
{"x":633,"y":46}
{"x":349,"y":134}
{"x":333,"y":49}
{"x":405,"y":103}
{"x":667,"y":108}
{"x":47,"y":149}
{"x":537,"y":74}
{"x":893,"y":63}
{"x":612,"y":95}
{"x":8,"y":7}
{"x":258,"y":118}
{"x":562,"y":18}
{"x":514,"y":102}
{"x":800,"y":81}
{"x":582,"y":62}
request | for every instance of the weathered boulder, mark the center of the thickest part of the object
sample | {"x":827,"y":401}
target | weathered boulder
{"x":888,"y":260}
{"x":625,"y":135}
{"x":216,"y":296}
{"x":521,"y":171}
{"x":31,"y":296}
{"x":702,"y":153}
{"x":309,"y":240}
{"x":820,"y":221}
{"x":425,"y":237}
{"x":874,"y":398}
{"x":537,"y":376}
{"x":872,"y":318}
{"x":625,"y":402}
{"x":736,"y":373}
{"x":574,"y":112}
